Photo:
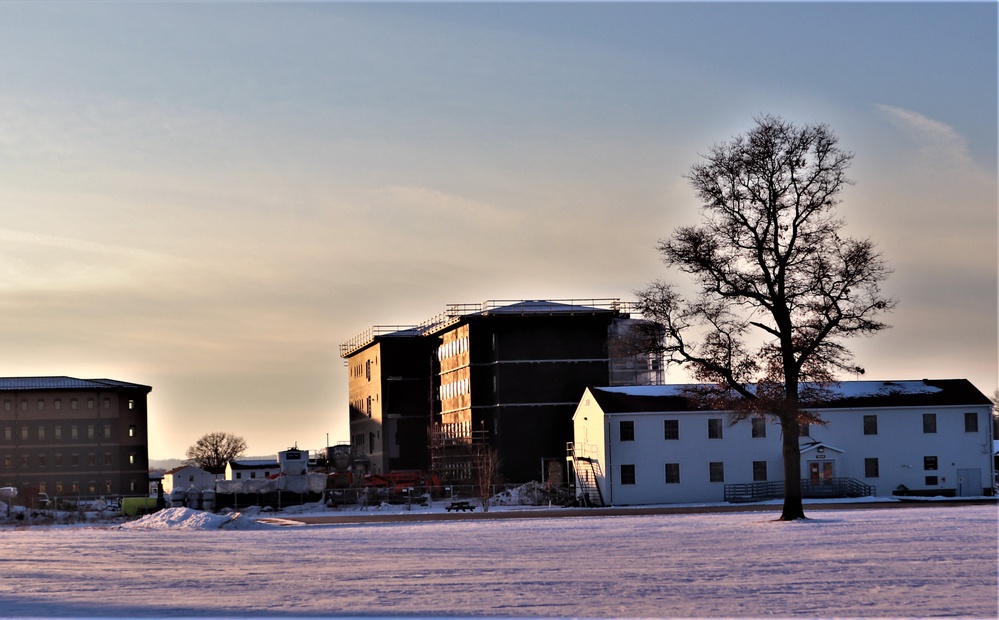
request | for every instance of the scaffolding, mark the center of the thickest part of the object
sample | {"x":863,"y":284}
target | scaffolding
{"x":452,"y":458}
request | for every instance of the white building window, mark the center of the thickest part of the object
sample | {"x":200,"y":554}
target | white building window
{"x":716,"y":472}
{"x":715,"y":428}
{"x":627,"y":474}
{"x":759,"y":471}
{"x":672,"y":473}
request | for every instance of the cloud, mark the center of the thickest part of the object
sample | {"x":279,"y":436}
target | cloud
{"x":33,"y":261}
{"x":934,"y":138}
{"x":443,"y":207}
{"x":51,"y":241}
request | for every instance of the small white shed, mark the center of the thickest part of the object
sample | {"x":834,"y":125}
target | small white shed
{"x":185,"y":477}
{"x":251,"y":469}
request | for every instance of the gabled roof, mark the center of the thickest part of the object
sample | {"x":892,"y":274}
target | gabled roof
{"x":847,"y":394}
{"x":643,"y":398}
{"x":806,"y":444}
{"x":183,"y":467}
{"x":10,"y":384}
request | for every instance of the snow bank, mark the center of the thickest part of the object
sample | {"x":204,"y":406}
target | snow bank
{"x":188,"y":519}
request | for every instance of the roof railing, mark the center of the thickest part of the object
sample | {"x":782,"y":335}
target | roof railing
{"x":454,"y":312}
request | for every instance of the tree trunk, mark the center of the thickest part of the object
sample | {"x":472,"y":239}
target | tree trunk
{"x":793,"y":508}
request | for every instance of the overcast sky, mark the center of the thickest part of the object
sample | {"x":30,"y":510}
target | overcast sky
{"x":209,"y":198}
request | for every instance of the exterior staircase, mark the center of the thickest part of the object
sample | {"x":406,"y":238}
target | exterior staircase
{"x":587,"y":471}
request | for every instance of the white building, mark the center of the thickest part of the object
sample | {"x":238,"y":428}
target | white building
{"x":186,"y":477}
{"x":293,"y":462}
{"x":250,"y":469}
{"x":652,"y":445}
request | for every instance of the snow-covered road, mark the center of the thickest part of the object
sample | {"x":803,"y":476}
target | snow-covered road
{"x":919,"y":562}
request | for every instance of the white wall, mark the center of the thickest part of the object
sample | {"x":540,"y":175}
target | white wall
{"x":186,"y":478}
{"x":900,"y":447}
{"x":589,"y":436}
{"x":693,"y":451}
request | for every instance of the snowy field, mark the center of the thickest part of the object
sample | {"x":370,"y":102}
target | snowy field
{"x":918,"y":562}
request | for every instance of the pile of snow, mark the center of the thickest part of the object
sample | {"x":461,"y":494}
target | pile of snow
{"x":531,"y":494}
{"x":189,"y":519}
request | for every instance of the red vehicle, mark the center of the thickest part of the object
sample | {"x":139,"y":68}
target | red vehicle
{"x":400,"y":482}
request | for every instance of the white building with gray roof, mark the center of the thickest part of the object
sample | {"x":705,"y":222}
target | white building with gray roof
{"x":659,"y":445}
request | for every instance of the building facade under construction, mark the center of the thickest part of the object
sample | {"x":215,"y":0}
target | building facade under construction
{"x":501,"y":376}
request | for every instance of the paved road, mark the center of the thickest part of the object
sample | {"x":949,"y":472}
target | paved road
{"x":548,"y":513}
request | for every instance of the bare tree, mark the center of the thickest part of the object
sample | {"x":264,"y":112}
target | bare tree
{"x":554,"y":477}
{"x":214,"y":450}
{"x":487,"y":463}
{"x":779,"y":286}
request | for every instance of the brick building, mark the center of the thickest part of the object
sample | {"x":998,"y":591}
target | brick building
{"x":73,"y":437}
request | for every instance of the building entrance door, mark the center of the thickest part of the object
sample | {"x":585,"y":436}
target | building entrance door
{"x":820,"y":472}
{"x":969,"y":482}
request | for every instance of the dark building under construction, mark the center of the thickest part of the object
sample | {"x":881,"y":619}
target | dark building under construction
{"x":501,"y":375}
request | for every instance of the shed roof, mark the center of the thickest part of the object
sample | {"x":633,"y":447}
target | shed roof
{"x":847,"y":394}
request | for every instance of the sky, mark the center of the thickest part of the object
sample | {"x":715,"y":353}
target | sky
{"x":208,"y":198}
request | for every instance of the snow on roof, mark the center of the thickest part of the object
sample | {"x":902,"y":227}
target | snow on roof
{"x":846,"y":389}
{"x":646,"y":390}
{"x":842,"y":395}
{"x":859,"y":389}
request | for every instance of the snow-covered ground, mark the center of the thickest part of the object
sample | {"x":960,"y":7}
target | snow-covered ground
{"x":918,"y":562}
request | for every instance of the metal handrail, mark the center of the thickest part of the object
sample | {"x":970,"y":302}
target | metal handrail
{"x":454,"y":312}
{"x":834,"y":487}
